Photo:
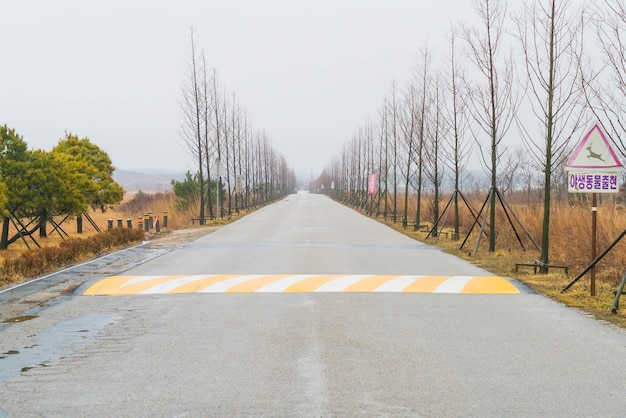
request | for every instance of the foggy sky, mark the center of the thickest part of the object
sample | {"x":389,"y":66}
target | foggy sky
{"x":309,"y":73}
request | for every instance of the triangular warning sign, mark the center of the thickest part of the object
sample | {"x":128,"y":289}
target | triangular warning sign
{"x":594,"y":152}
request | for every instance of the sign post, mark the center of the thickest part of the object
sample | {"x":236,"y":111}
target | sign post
{"x":218,"y":170}
{"x":593,"y":168}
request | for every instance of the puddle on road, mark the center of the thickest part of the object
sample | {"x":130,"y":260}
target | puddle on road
{"x":22,"y":318}
{"x":58,"y":341}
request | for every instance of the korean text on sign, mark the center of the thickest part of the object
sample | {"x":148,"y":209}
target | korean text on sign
{"x":597,"y":182}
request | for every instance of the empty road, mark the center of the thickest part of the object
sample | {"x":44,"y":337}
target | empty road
{"x":306,"y":308}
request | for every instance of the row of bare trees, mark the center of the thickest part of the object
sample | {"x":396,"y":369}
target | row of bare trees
{"x":533,"y":76}
{"x":230,"y":155}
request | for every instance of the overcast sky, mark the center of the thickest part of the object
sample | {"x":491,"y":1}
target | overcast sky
{"x":310,"y":73}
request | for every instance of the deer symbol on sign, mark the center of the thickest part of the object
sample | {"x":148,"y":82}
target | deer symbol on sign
{"x":593,"y":154}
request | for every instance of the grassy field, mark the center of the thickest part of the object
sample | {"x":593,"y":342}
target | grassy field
{"x":570,"y":243}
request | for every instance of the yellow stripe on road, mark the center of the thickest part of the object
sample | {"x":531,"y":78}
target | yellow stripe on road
{"x":369,"y":284}
{"x":427,"y":284}
{"x":231,"y":283}
{"x":489,"y":282}
{"x":252,"y":285}
{"x":310,"y":284}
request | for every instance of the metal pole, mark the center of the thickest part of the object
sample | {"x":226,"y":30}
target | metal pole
{"x":219,"y":180}
{"x":594,"y":224}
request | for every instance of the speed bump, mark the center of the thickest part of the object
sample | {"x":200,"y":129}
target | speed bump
{"x":299,"y":283}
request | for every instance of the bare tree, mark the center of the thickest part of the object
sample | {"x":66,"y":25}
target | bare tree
{"x":383,"y":165}
{"x":528,"y":175}
{"x":217,"y":118}
{"x":422,"y":79}
{"x":240,"y":138}
{"x":456,"y":116}
{"x":436,"y":131}
{"x":214,"y":128}
{"x":206,"y":133}
{"x":408,"y":126}
{"x":193,"y":105}
{"x":551,"y":41}
{"x":512,"y":163}
{"x":371,"y":150}
{"x":605,"y":88}
{"x":392,"y":125}
{"x":493,"y":104}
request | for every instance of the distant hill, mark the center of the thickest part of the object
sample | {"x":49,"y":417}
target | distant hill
{"x":133,"y":181}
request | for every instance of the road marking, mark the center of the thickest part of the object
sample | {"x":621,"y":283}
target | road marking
{"x":283,"y":283}
{"x":453,"y":285}
{"x":310,"y":283}
{"x":299,"y":283}
{"x":427,"y":284}
{"x":337,"y":284}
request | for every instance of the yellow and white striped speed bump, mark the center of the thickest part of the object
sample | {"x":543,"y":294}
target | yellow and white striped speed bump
{"x":277,"y":283}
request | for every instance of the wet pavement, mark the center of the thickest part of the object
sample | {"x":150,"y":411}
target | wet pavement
{"x":28,"y":297}
{"x":305,"y":354}
{"x":54,"y":343}
{"x":24,"y":301}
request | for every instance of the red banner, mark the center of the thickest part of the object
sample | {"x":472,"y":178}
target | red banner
{"x":371,"y":189}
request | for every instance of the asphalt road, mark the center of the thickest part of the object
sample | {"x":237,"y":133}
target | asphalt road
{"x":309,"y":347}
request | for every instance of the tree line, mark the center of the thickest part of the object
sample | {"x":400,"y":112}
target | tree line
{"x":37,"y":186}
{"x":539,"y":72}
{"x":217,"y":132}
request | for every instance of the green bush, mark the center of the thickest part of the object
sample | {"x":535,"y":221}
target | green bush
{"x":43,"y":260}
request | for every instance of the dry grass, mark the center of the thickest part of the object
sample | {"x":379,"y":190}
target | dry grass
{"x":130,"y":209}
{"x":570,"y":244}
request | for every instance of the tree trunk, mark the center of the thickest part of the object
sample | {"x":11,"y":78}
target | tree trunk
{"x":4,"y":239}
{"x":406,"y":191}
{"x":43,"y":224}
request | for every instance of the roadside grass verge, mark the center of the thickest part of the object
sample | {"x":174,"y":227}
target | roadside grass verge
{"x":35,"y":262}
{"x":24,"y":260}
{"x":569,"y":246}
{"x":502,"y":263}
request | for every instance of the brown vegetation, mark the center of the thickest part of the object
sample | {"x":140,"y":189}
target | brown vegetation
{"x":570,"y":245}
{"x":53,"y":256}
{"x":24,"y":259}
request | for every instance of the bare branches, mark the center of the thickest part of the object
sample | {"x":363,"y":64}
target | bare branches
{"x":605,"y":88}
{"x":494,"y":103}
{"x":212,"y":127}
{"x":551,"y":42}
{"x":542,"y":93}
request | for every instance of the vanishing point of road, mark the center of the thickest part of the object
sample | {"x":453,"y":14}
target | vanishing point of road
{"x":304,"y":308}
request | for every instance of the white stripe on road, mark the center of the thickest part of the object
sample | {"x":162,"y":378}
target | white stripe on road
{"x":397,"y":284}
{"x":453,"y":284}
{"x":340,"y":284}
{"x":275,"y":283}
{"x":223,"y":286}
{"x":171,"y":285}
{"x":282,"y":284}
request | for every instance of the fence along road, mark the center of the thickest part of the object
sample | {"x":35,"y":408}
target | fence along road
{"x":308,"y":308}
